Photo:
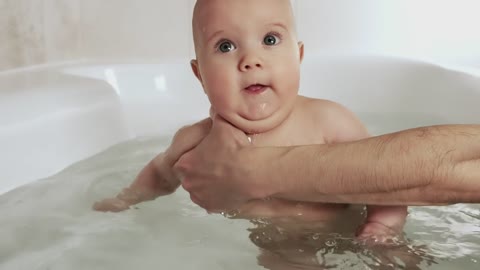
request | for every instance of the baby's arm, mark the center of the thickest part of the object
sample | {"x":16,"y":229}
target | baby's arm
{"x":157,"y":178}
{"x":152,"y":181}
{"x":381,"y":220}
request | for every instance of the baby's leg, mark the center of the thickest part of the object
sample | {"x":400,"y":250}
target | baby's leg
{"x":279,"y":209}
{"x":383,"y":222}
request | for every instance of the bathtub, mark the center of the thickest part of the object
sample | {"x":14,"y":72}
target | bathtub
{"x":54,"y":116}
{"x":51,"y":117}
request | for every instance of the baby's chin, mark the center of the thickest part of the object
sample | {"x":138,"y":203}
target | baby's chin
{"x":255,"y":125}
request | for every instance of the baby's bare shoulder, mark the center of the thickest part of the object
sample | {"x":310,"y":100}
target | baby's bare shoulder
{"x":323,"y":107}
{"x":188,"y":137}
{"x":202,"y":126}
{"x":337,"y":121}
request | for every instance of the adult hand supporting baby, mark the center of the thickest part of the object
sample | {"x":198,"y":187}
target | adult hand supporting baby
{"x":208,"y":178}
{"x":422,"y":166}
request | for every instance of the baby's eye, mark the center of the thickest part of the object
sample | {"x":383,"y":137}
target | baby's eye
{"x":271,"y":39}
{"x":226,"y":46}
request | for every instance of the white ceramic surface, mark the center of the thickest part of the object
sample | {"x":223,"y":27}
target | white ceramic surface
{"x":51,"y":117}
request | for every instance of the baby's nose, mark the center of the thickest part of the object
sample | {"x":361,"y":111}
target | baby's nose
{"x":249,"y":63}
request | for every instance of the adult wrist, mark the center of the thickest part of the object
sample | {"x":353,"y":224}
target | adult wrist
{"x":261,"y":171}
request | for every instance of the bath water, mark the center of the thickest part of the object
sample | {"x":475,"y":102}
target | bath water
{"x":49,"y":224}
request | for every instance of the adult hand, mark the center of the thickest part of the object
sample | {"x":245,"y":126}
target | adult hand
{"x":422,"y":166}
{"x":207,"y":170}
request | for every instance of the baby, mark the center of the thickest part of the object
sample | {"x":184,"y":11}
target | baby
{"x":248,"y":62}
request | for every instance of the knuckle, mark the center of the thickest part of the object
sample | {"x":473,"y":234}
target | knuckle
{"x":197,"y":201}
{"x":193,"y":198}
{"x":182,"y":164}
{"x":179,"y":165}
{"x":210,"y":208}
{"x":181,"y":169}
{"x":180,"y":133}
{"x":186,"y":185}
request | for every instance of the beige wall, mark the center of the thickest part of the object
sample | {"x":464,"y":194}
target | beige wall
{"x":22,"y":42}
{"x":43,"y":31}
{"x":40,"y":31}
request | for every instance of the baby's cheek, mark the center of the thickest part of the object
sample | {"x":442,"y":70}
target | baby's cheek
{"x":221,"y":102}
{"x":288,"y":77}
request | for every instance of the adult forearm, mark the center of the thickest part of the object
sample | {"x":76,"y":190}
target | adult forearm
{"x":429,"y":165}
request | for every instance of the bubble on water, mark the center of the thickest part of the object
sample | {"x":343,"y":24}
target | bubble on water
{"x":330,"y":243}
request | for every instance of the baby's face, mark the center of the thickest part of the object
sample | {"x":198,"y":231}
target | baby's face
{"x":248,"y":60}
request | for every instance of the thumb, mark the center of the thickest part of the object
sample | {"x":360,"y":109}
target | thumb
{"x":226,"y":131}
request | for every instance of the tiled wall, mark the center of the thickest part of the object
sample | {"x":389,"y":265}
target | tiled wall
{"x":44,"y":31}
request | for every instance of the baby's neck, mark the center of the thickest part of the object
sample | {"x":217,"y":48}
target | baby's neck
{"x":273,"y":137}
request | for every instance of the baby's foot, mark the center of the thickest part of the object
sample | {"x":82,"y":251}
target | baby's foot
{"x":378,"y":233}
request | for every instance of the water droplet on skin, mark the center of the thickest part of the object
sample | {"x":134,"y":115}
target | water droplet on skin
{"x":230,"y":214}
{"x":263,"y":106}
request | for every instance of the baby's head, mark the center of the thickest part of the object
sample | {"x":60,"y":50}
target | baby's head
{"x":248,"y":60}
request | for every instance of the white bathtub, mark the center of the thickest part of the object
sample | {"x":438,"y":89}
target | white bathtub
{"x":51,"y":117}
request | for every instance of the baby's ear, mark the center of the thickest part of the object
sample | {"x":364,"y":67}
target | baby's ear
{"x":300,"y":50}
{"x":196,"y":71}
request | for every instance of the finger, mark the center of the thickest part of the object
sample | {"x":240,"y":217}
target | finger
{"x":187,"y":138}
{"x":197,"y":201}
{"x":187,"y":184}
{"x":220,"y":123}
{"x":225,"y":129}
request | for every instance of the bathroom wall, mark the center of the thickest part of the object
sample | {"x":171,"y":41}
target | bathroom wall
{"x":44,"y":31}
{"x":446,"y":31}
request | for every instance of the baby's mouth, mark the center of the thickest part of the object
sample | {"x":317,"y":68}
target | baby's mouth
{"x":256,"y":88}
